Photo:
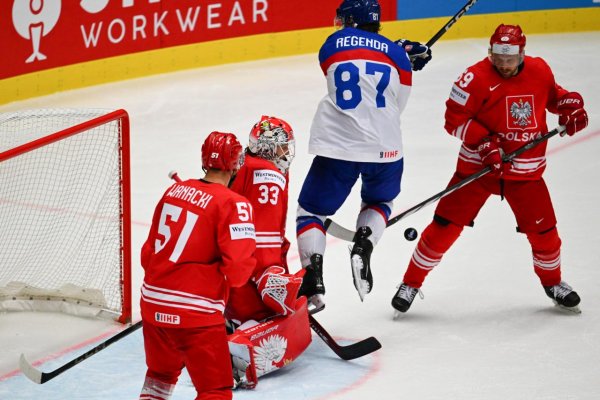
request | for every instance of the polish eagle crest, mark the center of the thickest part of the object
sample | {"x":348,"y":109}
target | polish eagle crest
{"x":521,"y":111}
{"x":269,"y":352}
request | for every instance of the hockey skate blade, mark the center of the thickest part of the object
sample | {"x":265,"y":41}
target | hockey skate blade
{"x":574,"y":310}
{"x":362,"y":286}
{"x":316,"y":309}
{"x":398,"y":315}
{"x":316,"y":303}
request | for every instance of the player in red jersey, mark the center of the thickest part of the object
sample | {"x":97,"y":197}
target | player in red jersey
{"x":200,"y":245}
{"x":496,"y":106}
{"x":264,"y":181}
{"x":271,"y":293}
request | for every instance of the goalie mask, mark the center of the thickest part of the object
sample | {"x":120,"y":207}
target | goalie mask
{"x":273,"y":139}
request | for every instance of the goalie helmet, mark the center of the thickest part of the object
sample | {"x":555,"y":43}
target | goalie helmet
{"x":222,"y":151}
{"x":507,"y":40}
{"x":355,"y":13}
{"x":273,"y":139}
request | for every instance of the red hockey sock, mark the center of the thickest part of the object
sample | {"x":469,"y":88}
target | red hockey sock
{"x":546,"y":256}
{"x":435,"y":240}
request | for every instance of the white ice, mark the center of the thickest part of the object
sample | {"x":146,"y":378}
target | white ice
{"x":485,"y":329}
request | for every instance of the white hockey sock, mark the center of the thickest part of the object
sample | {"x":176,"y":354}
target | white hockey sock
{"x":310,"y":233}
{"x":375,"y":218}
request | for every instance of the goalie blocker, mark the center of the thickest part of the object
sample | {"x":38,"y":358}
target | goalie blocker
{"x":260,"y":348}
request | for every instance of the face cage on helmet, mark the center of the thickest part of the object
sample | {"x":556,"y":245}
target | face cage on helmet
{"x":272,"y":148}
{"x":285,"y":156}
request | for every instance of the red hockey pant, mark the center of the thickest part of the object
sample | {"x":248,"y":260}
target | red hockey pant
{"x":203,"y":351}
{"x":534,"y":214}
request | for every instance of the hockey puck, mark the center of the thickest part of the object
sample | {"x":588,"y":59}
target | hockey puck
{"x":410,"y":234}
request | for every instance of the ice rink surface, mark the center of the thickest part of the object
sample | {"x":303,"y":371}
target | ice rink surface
{"x":485,"y":329}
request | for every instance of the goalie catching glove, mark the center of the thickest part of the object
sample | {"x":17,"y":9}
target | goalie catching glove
{"x":278,"y":289}
{"x":571,"y":113}
{"x":418,"y":53}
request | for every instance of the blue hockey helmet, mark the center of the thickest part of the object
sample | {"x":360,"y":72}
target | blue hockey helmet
{"x":355,"y":13}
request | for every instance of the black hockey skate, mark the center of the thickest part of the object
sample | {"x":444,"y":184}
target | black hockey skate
{"x":313,"y":286}
{"x":360,"y":260}
{"x":564,"y":296}
{"x":404,"y":297}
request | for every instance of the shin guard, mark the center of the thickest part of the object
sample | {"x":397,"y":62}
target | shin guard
{"x":435,"y":240}
{"x":545,"y":248}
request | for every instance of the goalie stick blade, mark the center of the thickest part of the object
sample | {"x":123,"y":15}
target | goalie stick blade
{"x":358,"y":349}
{"x":349,"y":352}
{"x":30,"y":371}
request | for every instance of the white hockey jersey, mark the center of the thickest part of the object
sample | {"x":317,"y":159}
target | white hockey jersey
{"x":369,"y":78}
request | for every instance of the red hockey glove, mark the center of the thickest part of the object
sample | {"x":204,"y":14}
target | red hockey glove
{"x":491,"y":155}
{"x":571,"y":113}
{"x":279,"y":290}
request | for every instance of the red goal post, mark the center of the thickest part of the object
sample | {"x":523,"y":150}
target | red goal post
{"x":65,"y":216}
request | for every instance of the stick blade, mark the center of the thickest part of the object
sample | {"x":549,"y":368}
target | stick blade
{"x":30,"y":371}
{"x":338,"y":231}
{"x":359,"y":349}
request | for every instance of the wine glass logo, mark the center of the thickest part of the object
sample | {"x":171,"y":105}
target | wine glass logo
{"x":34,"y":19}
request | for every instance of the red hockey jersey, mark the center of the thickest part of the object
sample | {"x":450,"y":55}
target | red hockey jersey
{"x":261,"y":182}
{"x":200,"y":244}
{"x":482,"y":102}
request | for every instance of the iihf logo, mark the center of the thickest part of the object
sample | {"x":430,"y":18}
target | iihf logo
{"x":34,"y":19}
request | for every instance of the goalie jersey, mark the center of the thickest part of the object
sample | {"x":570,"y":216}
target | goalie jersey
{"x":369,"y":78}
{"x":267,"y":189}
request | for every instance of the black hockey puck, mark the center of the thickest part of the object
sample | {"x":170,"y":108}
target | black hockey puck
{"x":410,"y":234}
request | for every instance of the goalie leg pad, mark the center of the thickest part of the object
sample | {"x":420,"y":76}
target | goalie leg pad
{"x":242,"y":361}
{"x":274,"y":343}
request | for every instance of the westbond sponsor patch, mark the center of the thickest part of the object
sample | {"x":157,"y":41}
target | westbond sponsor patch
{"x":242,"y":231}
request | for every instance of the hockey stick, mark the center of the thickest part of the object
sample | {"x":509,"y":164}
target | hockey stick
{"x":349,"y":352}
{"x":40,"y":377}
{"x":449,"y":24}
{"x":446,"y":27}
{"x":346,"y":234}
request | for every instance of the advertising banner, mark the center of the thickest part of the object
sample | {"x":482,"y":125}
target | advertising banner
{"x":41,"y":34}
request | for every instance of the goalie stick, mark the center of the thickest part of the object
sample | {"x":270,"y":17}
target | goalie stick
{"x":346,"y":234}
{"x":40,"y":377}
{"x":349,"y":352}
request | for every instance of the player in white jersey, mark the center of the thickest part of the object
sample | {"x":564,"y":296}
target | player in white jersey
{"x":355,"y":132}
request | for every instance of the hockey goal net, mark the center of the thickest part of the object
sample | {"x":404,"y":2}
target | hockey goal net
{"x":65,"y":212}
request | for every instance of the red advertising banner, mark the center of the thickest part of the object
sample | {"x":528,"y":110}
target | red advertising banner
{"x":41,"y":34}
